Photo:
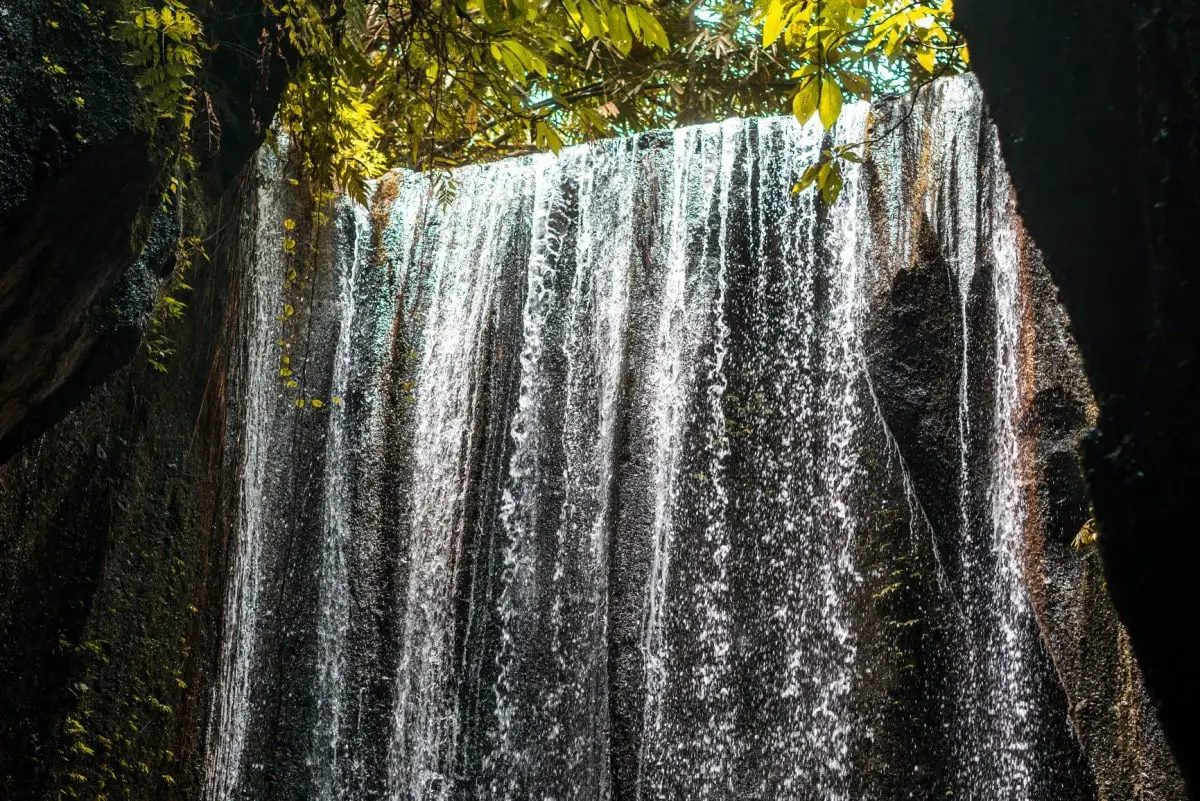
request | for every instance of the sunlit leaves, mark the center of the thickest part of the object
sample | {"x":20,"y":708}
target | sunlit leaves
{"x":826,"y":175}
{"x":518,"y":59}
{"x":164,"y":44}
{"x":435,"y":84}
{"x":772,"y":23}
{"x":829,"y":180}
{"x":807,"y":97}
{"x":618,"y":30}
{"x":547,"y":138}
{"x":858,"y":48}
{"x":1087,"y":534}
{"x":854,"y":84}
{"x":593,"y":25}
{"x":839,"y":50}
{"x":829,"y":105}
{"x":647,"y":28}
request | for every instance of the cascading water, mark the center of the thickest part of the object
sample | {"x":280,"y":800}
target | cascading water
{"x":231,"y":704}
{"x":603,"y":504}
{"x":465,"y":262}
{"x":333,"y":628}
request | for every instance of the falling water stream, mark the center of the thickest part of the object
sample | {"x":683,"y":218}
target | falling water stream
{"x":602,"y":477}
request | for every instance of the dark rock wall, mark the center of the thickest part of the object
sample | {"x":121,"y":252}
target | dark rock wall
{"x":79,"y":185}
{"x":74,"y":174}
{"x":113,"y":526}
{"x":917,"y":389}
{"x":1099,"y":118}
{"x":1112,"y":714}
{"x":111,"y":567}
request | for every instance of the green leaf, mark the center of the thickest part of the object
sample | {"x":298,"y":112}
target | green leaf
{"x":507,"y":55}
{"x":855,"y":84}
{"x":593,"y":26}
{"x":830,"y":103}
{"x":635,"y":24}
{"x":618,"y":30}
{"x":651,"y":31}
{"x":831,"y":182}
{"x":547,"y":137}
{"x":773,"y":23}
{"x":926,"y":57}
{"x":529,"y":62}
{"x":807,"y":179}
{"x":804,"y":104}
{"x":881,"y":33}
{"x":658,"y":36}
{"x":494,"y":10}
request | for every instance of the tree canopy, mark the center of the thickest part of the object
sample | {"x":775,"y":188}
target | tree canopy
{"x":436,"y":83}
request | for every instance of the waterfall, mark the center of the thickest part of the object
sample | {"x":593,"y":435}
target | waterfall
{"x":231,"y":704}
{"x":333,"y":628}
{"x":469,"y":238}
{"x":610,"y":508}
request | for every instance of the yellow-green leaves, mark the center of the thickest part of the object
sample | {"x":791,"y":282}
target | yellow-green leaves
{"x":315,"y":403}
{"x":773,"y":22}
{"x":854,"y":84}
{"x":547,"y":138}
{"x":808,"y":96}
{"x":518,"y":59}
{"x":165,"y":44}
{"x":168,"y":307}
{"x":618,"y":24}
{"x":618,"y":29}
{"x":1087,"y":534}
{"x":829,"y":106}
{"x":447,"y":81}
{"x":461,"y":80}
{"x":826,"y":174}
{"x":819,"y":93}
{"x":926,"y":57}
{"x":593,"y":26}
{"x":916,"y":35}
{"x":837,"y":48}
{"x":646,"y":27}
{"x":830,"y":181}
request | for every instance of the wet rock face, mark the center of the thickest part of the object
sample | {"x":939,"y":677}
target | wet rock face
{"x":74,"y":173}
{"x":1111,"y":713}
{"x":932,"y":341}
{"x":1097,"y":111}
{"x":53,"y":108}
{"x":915,"y":353}
{"x":112,"y":530}
{"x":78,"y":274}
